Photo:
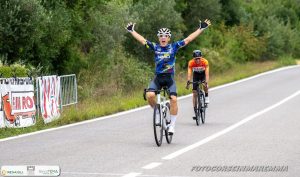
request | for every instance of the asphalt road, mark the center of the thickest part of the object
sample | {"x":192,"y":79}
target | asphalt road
{"x":252,"y":129}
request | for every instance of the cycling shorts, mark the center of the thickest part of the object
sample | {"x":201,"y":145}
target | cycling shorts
{"x":198,"y":76}
{"x":164,"y":80}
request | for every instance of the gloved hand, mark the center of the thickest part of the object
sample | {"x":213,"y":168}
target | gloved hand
{"x":130,"y":27}
{"x":205,"y":84}
{"x":187,"y":84}
{"x":205,"y":24}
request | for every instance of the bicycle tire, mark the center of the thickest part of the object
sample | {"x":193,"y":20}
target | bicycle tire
{"x":168,"y":121}
{"x":158,"y":129}
{"x":198,"y":106}
{"x":203,"y":108}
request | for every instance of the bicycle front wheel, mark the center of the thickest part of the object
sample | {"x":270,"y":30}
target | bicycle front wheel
{"x":157,"y":125}
{"x":203,"y":108}
{"x":198,"y":106}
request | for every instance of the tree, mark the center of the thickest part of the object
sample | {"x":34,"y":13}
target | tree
{"x":21,"y":26}
{"x":232,"y":12}
{"x":150,"y":16}
{"x":201,"y":10}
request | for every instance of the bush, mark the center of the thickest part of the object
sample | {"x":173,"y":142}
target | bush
{"x":16,"y":69}
{"x":131,"y":73}
{"x":116,"y":75}
{"x":286,"y":60}
{"x":19,"y":70}
{"x":242,"y":45}
{"x":217,"y":62}
{"x":5,"y":72}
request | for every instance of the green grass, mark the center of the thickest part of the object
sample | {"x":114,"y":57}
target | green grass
{"x":88,"y":109}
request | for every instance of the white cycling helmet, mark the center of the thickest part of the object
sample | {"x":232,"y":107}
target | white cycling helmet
{"x":164,"y":32}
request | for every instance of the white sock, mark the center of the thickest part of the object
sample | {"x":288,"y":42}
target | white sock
{"x":173,"y":120}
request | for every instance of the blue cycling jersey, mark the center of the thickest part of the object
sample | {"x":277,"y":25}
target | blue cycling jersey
{"x":165,"y":56}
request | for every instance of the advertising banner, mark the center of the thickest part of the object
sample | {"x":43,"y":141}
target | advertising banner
{"x":49,"y":97}
{"x":17,"y":104}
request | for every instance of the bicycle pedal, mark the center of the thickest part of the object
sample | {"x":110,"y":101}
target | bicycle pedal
{"x":194,"y":118}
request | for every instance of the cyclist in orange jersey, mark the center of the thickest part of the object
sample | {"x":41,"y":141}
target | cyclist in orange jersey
{"x":198,"y":67}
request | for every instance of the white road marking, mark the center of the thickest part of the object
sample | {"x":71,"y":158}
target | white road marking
{"x":232,"y":127}
{"x":132,"y":174}
{"x":152,"y":165}
{"x":245,"y":79}
{"x":114,"y":174}
{"x":140,"y":108}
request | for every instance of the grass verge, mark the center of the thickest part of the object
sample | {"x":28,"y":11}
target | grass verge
{"x":88,"y":109}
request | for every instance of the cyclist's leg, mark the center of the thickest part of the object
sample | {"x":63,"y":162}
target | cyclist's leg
{"x":151,"y":93}
{"x":173,"y":96}
{"x":205,"y":88}
{"x":173,"y":101}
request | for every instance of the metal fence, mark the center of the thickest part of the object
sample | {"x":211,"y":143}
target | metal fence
{"x":68,"y":90}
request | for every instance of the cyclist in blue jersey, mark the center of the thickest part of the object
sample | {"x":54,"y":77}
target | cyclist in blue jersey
{"x":165,"y":63}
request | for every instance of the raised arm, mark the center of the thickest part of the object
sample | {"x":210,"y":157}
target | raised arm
{"x":202,"y":27}
{"x":137,"y":36}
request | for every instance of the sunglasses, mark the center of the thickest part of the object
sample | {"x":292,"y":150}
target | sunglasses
{"x":161,"y":35}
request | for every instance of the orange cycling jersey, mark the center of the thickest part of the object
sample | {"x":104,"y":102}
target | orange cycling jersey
{"x":198,"y":67}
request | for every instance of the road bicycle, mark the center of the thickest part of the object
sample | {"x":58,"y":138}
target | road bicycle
{"x":161,"y":123}
{"x":200,"y":102}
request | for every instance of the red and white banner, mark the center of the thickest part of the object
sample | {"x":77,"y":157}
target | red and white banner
{"x":17,"y":105}
{"x":49,"y":97}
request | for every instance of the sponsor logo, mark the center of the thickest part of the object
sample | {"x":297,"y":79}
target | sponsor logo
{"x":3,"y":172}
{"x":30,"y":170}
{"x":198,"y":69}
{"x":50,"y":172}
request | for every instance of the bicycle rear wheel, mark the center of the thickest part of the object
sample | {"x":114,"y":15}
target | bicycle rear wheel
{"x":168,"y":121}
{"x":203,"y":108}
{"x":158,"y":128}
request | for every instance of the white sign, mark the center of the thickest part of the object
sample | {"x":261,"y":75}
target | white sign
{"x":30,"y":170}
{"x":17,"y":103}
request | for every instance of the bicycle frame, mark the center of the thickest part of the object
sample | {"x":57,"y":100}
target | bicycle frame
{"x":162,"y":101}
{"x":200,"y":100}
{"x":200,"y":88}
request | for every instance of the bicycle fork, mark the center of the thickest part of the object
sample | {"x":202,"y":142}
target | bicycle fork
{"x":161,"y":102}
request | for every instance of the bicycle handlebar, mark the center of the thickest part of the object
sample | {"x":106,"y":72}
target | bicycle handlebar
{"x":197,"y":82}
{"x":164,"y":89}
